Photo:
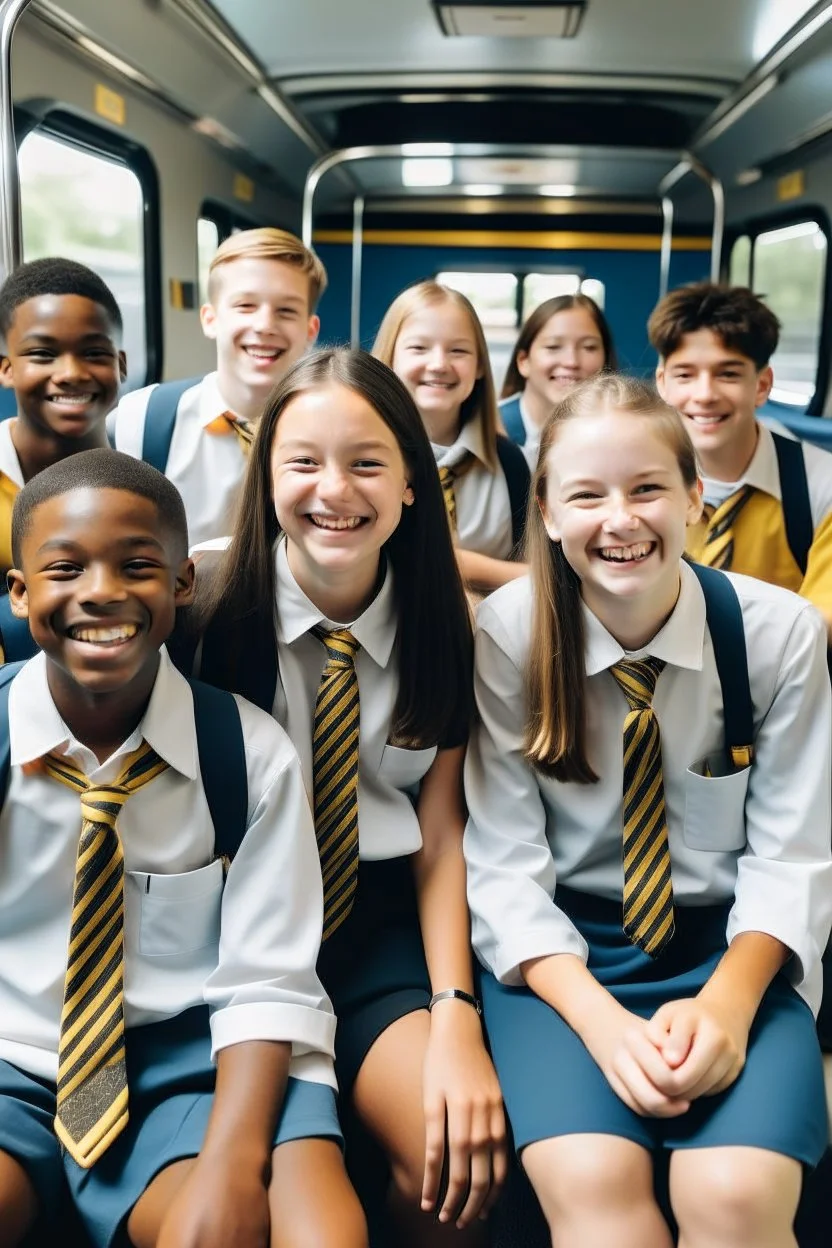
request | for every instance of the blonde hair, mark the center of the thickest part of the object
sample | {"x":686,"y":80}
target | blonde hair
{"x":555,"y":742}
{"x":268,"y":243}
{"x":481,"y":404}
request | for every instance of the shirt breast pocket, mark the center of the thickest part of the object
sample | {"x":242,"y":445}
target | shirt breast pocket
{"x":403,"y":769}
{"x":715,"y":807}
{"x":179,"y":914}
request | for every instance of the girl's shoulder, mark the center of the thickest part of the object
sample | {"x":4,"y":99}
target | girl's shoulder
{"x":777,"y":623}
{"x":506,"y":616}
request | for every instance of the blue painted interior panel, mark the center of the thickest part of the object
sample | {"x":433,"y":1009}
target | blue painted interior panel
{"x":631,"y":279}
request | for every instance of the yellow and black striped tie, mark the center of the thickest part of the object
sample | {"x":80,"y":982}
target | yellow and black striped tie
{"x":648,"y":889}
{"x":92,"y":1077}
{"x":335,"y":775}
{"x":718,"y":550}
{"x":448,"y":476}
{"x":243,"y":429}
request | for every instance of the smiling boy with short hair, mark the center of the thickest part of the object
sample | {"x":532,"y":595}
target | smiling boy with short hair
{"x":263,"y":288}
{"x":61,"y":329}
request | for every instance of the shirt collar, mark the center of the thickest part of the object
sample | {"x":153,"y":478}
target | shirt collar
{"x":762,"y":473}
{"x":36,"y":728}
{"x":470,"y":440}
{"x":211,"y":402}
{"x":679,"y":641}
{"x":9,"y":462}
{"x":374,"y":630}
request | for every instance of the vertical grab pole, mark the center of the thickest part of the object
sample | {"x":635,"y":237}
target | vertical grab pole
{"x":11,"y":230}
{"x":357,"y":261}
{"x":667,"y":245}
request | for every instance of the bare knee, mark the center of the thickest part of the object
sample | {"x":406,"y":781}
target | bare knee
{"x":311,"y":1200}
{"x":733,"y":1194}
{"x":18,"y":1202}
{"x":588,"y":1173}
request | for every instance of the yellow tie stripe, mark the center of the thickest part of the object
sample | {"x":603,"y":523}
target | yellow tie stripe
{"x":227,"y":422}
{"x":335,"y":775}
{"x":448,"y":477}
{"x":648,"y":888}
{"x":92,"y":1077}
{"x":718,"y":550}
{"x":9,"y":491}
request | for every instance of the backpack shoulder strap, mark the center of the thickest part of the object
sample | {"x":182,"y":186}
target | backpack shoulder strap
{"x":160,"y":418}
{"x":222,"y":764}
{"x":794,"y":489}
{"x":7,"y":674}
{"x":518,"y":479}
{"x":15,"y":637}
{"x":724,"y":616}
{"x":512,"y":420}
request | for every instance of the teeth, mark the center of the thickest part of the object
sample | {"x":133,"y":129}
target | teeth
{"x":101,"y":636}
{"x":70,"y":399}
{"x":263,"y":353}
{"x":625,"y":554}
{"x":336,"y":522}
{"x":707,"y":420}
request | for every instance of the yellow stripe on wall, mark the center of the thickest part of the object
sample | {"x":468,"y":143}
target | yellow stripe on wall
{"x":551,"y":240}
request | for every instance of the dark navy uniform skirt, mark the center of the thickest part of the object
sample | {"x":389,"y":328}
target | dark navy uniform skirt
{"x":552,"y":1086}
{"x":170,"y":1077}
{"x":373,"y":967}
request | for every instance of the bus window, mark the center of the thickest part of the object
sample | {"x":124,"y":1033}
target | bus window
{"x":89,"y":207}
{"x":790,"y":275}
{"x":207,"y":242}
{"x":739,"y":268}
{"x":538,"y":287}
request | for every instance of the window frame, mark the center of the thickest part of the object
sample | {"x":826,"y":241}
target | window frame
{"x":752,"y":228}
{"x":521,"y":273}
{"x":68,"y":127}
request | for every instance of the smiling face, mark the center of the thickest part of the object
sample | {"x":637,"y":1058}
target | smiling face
{"x":261,"y":321}
{"x":716,"y":391}
{"x":616,"y":500}
{"x":100,"y":582}
{"x":63,"y":363}
{"x":567,"y":350}
{"x":339,"y":483}
{"x":436,"y":357}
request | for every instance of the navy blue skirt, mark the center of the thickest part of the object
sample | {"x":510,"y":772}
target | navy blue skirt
{"x":552,"y":1086}
{"x":373,"y":967}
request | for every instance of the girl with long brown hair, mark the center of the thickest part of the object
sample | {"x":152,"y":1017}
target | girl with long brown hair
{"x":339,"y":609}
{"x":651,"y":892}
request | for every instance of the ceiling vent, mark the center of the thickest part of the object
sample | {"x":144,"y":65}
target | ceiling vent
{"x":524,"y":19}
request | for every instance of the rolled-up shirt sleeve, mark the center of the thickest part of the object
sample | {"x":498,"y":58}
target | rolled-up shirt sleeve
{"x":265,"y":986}
{"x":511,"y":871}
{"x":784,"y":877}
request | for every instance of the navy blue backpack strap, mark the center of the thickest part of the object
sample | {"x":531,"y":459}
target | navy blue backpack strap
{"x":513,"y":420}
{"x":160,"y":418}
{"x":222,"y":764}
{"x":724,"y":616}
{"x":7,"y":675}
{"x":15,"y":636}
{"x":794,"y":490}
{"x":518,"y":479}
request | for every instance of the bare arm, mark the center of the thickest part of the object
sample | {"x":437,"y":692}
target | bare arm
{"x":483,"y":574}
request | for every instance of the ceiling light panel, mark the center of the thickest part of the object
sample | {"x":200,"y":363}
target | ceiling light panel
{"x":523,"y":19}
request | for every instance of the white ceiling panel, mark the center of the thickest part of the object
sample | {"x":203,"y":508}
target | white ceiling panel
{"x":718,"y":38}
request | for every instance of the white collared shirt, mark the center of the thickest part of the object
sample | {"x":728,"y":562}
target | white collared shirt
{"x":763,"y":474}
{"x":387,"y":822}
{"x":531,"y":447}
{"x":9,"y":461}
{"x":483,"y":507}
{"x":247,"y":947}
{"x":760,"y":835}
{"x":206,"y":467}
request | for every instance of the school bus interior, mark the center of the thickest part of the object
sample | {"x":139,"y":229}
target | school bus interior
{"x":521,"y":150}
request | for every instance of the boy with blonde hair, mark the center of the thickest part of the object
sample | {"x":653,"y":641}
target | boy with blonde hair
{"x":263,"y":287}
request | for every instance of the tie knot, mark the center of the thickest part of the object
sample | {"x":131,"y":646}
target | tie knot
{"x":637,"y":679}
{"x":341,"y":647}
{"x":102,"y":803}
